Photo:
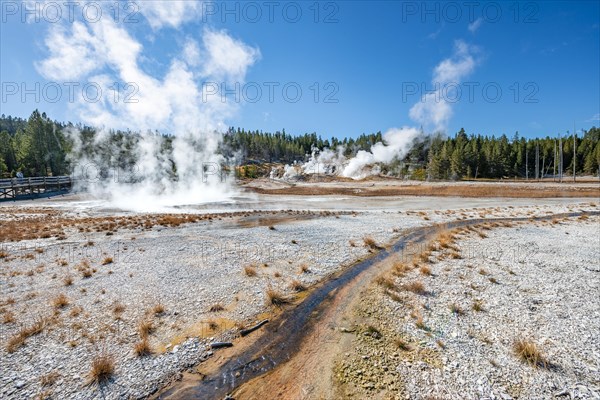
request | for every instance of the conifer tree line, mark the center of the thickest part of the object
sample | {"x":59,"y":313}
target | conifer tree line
{"x":39,"y":146}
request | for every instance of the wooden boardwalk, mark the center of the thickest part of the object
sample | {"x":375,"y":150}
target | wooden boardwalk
{"x":29,"y":188}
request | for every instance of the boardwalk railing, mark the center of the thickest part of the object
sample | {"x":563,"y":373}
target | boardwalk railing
{"x":17,"y":188}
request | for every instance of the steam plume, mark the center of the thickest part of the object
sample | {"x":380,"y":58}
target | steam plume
{"x":105,"y":52}
{"x":433,"y":112}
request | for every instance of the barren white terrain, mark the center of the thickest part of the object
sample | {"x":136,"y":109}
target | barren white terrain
{"x":193,"y":283}
{"x":529,"y":282}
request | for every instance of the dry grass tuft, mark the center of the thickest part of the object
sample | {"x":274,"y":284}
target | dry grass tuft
{"x":86,"y":272}
{"x":276,"y":298}
{"x":8,"y":317}
{"x":68,"y":280}
{"x":455,"y":308}
{"x":402,"y":344}
{"x":75,"y":311}
{"x":19,"y":338}
{"x":31,"y":295}
{"x":297,"y":286}
{"x":103,"y":368}
{"x":416,"y":287}
{"x":249,"y":270}
{"x":49,"y":379}
{"x":478,"y":305}
{"x":216,"y":308}
{"x":373,"y":332}
{"x":386,"y":282}
{"x":424,"y":256}
{"x":445,"y":240}
{"x":529,"y":352}
{"x":60,"y":301}
{"x":118,"y":308}
{"x":400,"y":269}
{"x":15,"y":341}
{"x":304,"y":269}
{"x":425,"y":270}
{"x":107,"y":260}
{"x":371,"y":243}
{"x":483,"y":272}
{"x":142,"y":348}
{"x":145,"y":328}
{"x":394,"y":296}
{"x":212,"y":324}
{"x":419,"y":323}
{"x":158,"y":309}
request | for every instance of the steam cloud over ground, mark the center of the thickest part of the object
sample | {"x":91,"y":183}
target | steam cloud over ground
{"x":104,"y":52}
{"x":172,"y":102}
{"x":433,"y":112}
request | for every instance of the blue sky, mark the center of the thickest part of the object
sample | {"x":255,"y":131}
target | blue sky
{"x":369,"y":61}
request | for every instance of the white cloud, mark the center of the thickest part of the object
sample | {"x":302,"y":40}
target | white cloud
{"x":226,"y":57}
{"x":459,"y":65}
{"x":191,"y":53}
{"x":171,"y":13}
{"x":168,"y":103}
{"x":474,"y":26}
{"x":72,"y":54}
{"x":434,"y":35}
{"x":158,"y":13}
{"x":594,"y":118}
{"x":434,"y":111}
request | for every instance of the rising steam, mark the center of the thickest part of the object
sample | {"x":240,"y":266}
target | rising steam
{"x":433,"y":112}
{"x":171,"y":101}
{"x":104,"y":52}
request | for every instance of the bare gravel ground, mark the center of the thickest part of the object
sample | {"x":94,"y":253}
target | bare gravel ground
{"x":536,"y":282}
{"x":186,"y":270}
